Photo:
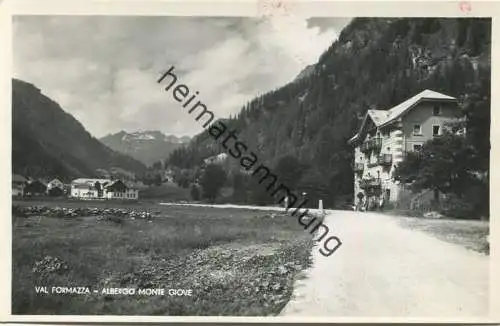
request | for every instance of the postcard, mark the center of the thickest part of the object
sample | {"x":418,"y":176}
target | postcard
{"x":254,"y":161}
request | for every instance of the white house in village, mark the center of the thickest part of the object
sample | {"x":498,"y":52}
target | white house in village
{"x":103,"y":189}
{"x":216,"y":159}
{"x":55,"y":183}
{"x":385,"y":136}
{"x":121,"y":190}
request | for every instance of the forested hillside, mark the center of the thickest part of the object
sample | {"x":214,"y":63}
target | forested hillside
{"x":375,"y":63}
{"x":48,"y":142}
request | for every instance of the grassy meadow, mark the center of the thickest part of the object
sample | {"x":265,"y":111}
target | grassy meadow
{"x":236,"y":262}
{"x":471,"y":234}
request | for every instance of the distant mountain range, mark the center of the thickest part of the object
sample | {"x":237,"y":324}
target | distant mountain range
{"x":146,"y":146}
{"x":49,"y":142}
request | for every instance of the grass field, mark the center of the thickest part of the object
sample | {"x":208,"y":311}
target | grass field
{"x":471,"y":234}
{"x":236,"y":262}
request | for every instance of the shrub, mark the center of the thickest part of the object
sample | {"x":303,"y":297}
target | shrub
{"x":195,"y":192}
{"x":453,"y":206}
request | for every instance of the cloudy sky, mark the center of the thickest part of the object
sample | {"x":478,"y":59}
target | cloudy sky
{"x":103,"y":69}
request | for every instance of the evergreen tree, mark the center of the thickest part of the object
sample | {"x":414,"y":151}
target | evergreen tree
{"x":212,"y":181}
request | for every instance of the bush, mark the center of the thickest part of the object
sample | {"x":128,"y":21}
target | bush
{"x":212,"y":181}
{"x":195,"y":192}
{"x":456,"y":207}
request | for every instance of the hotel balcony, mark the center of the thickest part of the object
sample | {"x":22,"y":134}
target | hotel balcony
{"x":383,"y":160}
{"x":369,"y":183}
{"x":371,"y":144}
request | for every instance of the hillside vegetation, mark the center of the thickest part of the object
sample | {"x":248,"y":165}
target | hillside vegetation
{"x":376,"y":63}
{"x":48,"y":142}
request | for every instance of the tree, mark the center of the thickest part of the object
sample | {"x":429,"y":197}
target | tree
{"x":99,"y":189}
{"x":56,"y":192}
{"x":445,"y":164}
{"x":289,"y":170}
{"x":183,"y":177}
{"x":157,"y":179}
{"x":314,"y":183}
{"x":212,"y":180}
{"x":195,"y":192}
{"x":240,"y":187}
{"x":157,"y":165}
{"x":408,"y":170}
{"x":258,"y":194}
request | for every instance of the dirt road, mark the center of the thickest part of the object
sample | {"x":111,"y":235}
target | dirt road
{"x":384,"y":270}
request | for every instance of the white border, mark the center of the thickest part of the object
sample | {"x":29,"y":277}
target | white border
{"x":235,"y":8}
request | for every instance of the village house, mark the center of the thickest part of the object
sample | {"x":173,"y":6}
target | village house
{"x":121,"y":190}
{"x":385,"y":136}
{"x":18,"y":184}
{"x":35,"y":188}
{"x":55,"y":183}
{"x":56,"y":188}
{"x":216,"y":159}
{"x":83,"y":188}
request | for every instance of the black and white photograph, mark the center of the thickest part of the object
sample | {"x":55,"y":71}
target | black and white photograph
{"x":277,"y":165}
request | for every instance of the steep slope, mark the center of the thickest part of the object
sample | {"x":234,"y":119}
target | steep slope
{"x":375,"y":63}
{"x":145,"y":146}
{"x":48,"y":142}
{"x":306,"y":72}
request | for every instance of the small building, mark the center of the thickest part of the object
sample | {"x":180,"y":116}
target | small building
{"x":120,"y":190}
{"x":18,"y":184}
{"x":56,"y":188}
{"x":217,"y":159}
{"x":103,"y":189}
{"x":84,"y":188}
{"x":35,"y":188}
{"x":55,"y":183}
{"x":385,"y":136}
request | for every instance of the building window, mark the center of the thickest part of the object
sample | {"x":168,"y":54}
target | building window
{"x":436,"y":110}
{"x":417,"y":129}
{"x":417,"y":147}
{"x":436,"y":130}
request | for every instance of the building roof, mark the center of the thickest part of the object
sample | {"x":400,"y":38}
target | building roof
{"x":378,"y":116}
{"x":118,"y":185}
{"x":18,"y":178}
{"x":216,"y":158}
{"x":385,"y":117}
{"x":405,"y":106}
{"x":56,"y":180}
{"x":86,"y":181}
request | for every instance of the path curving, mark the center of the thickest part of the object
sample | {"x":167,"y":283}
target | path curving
{"x":385,"y":270}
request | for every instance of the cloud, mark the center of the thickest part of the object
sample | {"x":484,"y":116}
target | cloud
{"x":103,"y":69}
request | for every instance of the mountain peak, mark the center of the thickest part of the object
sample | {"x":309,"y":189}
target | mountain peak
{"x":147,"y":146}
